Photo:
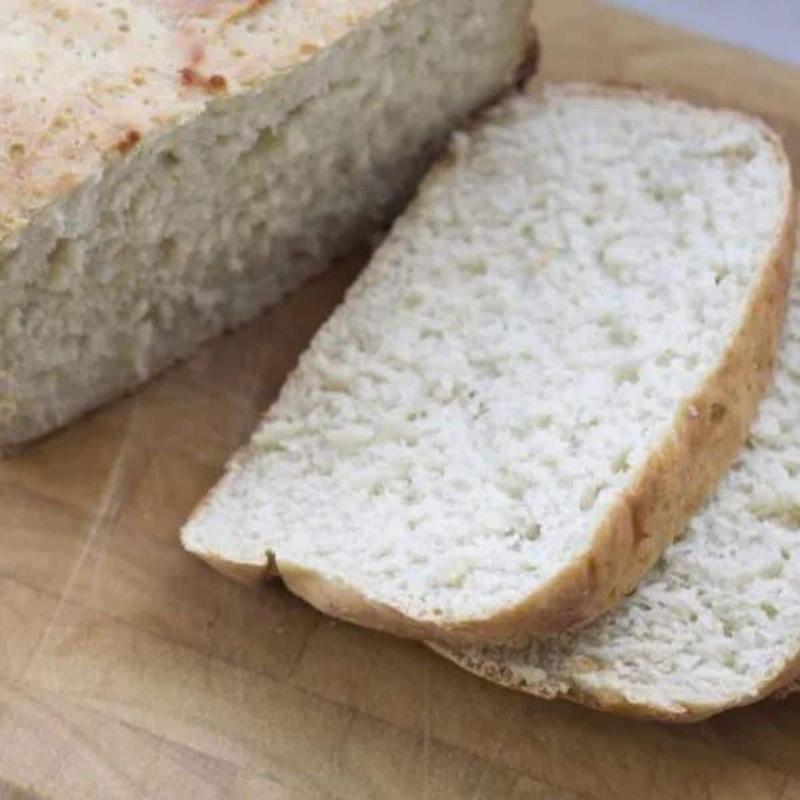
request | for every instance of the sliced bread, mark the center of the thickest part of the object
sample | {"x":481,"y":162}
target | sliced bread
{"x":716,"y":624}
{"x":167,"y":169}
{"x":543,"y":372}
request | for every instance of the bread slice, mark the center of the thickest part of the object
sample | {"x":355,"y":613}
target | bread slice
{"x":167,"y":169}
{"x":717,"y":623}
{"x":543,"y":372}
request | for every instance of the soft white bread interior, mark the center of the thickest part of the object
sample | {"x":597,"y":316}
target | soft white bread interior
{"x":716,"y":624}
{"x":543,"y":372}
{"x":167,"y":169}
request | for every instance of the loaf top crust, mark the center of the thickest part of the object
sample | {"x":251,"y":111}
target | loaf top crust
{"x":82,"y":84}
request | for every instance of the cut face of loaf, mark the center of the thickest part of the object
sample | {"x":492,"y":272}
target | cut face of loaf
{"x":717,"y":623}
{"x":543,"y":372}
{"x":169,"y":168}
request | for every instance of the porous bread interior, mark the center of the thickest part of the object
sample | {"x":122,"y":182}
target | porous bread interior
{"x":718,"y":620}
{"x":517,"y":348}
{"x":203,"y":225}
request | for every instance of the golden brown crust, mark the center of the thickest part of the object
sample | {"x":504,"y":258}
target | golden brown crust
{"x":615,"y":702}
{"x":709,"y":430}
{"x":164,"y":66}
{"x":248,"y":574}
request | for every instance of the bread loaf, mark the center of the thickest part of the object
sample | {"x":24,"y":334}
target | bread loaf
{"x":170,"y":167}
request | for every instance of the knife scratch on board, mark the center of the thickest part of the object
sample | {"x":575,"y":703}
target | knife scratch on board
{"x":491,"y":761}
{"x":109,"y":504}
{"x":426,"y":741}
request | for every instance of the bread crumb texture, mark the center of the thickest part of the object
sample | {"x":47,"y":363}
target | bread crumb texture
{"x":517,"y":349}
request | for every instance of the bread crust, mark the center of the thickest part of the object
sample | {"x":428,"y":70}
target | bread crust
{"x":615,"y":702}
{"x":710,"y":428}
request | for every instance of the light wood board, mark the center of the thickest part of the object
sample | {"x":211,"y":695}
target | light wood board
{"x":129,"y":670}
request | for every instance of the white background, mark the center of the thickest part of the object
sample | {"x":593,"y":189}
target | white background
{"x":769,"y":26}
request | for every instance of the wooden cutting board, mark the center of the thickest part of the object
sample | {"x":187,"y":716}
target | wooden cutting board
{"x":129,"y":670}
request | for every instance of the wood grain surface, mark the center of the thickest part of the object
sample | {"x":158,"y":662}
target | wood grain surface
{"x":130,"y":670}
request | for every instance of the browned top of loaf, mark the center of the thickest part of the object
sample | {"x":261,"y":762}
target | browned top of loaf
{"x":84,"y":82}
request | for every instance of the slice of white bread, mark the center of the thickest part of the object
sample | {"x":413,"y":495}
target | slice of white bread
{"x":716,"y":624}
{"x":544,"y":371}
{"x":167,"y":169}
